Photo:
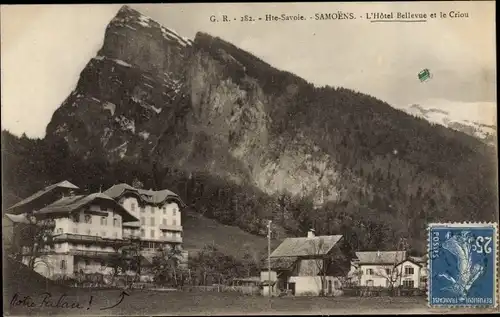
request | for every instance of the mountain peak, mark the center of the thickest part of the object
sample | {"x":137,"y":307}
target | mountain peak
{"x":127,"y":9}
{"x":134,"y":20}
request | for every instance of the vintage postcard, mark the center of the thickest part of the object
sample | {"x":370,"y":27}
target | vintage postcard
{"x":249,"y":158}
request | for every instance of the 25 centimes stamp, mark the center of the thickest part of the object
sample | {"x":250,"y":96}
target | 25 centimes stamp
{"x":462,"y":267}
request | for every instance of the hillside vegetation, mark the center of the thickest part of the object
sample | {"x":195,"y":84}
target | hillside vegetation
{"x":243,"y":142}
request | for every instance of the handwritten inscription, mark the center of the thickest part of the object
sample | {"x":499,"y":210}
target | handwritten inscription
{"x":46,"y":300}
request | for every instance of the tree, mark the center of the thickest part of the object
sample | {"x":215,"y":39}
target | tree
{"x":333,"y":262}
{"x":118,"y":264}
{"x":136,"y":183}
{"x":31,"y":239}
{"x":353,"y":275}
{"x":318,"y":262}
{"x":392,"y":274}
{"x":165,"y":264}
{"x":250,"y":262}
{"x":131,"y":255}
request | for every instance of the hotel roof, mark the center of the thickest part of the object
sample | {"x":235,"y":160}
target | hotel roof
{"x":51,"y":188}
{"x":71,"y":203}
{"x":147,"y":196}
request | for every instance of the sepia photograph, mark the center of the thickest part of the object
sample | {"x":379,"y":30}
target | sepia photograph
{"x":324,"y":158}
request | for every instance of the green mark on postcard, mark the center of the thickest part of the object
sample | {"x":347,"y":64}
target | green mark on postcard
{"x":424,"y":75}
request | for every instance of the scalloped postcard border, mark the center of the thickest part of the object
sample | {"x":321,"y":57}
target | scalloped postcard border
{"x":495,"y":271}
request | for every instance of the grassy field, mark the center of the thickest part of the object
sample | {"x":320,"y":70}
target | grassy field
{"x":211,"y":303}
{"x":200,"y":230}
{"x":20,"y":282}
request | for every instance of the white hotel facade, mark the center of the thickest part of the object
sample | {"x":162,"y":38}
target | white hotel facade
{"x":158,"y":212}
{"x":88,"y":229}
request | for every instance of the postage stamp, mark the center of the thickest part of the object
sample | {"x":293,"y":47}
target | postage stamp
{"x":462,"y":267}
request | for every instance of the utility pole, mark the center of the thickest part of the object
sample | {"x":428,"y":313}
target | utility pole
{"x":269,"y":256}
{"x":403,"y":246}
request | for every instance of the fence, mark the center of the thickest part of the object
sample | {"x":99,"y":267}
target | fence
{"x":246,"y":290}
{"x":97,"y":280}
{"x":381,"y":291}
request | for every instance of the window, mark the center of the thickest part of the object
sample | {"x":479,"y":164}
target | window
{"x":142,"y":209}
{"x":175,"y":222}
{"x":164,"y":221}
{"x":152,"y":209}
{"x":63,"y":264}
{"x":152,"y":233}
{"x":152,"y":221}
{"x":132,"y":206}
{"x":164,"y":210}
{"x":409,"y":270}
{"x":86,"y":263}
{"x":369,"y":283}
{"x":59,"y":231}
{"x":103,"y":233}
{"x":163,"y":234}
{"x":408,"y":283}
{"x":76,"y":218}
{"x":75,"y":230}
{"x":89,"y":232}
{"x":369,"y":272}
{"x":115,"y":234}
{"x":116,"y":222}
{"x":88,"y":219}
{"x":388,"y":272}
{"x":143,"y":221}
{"x":175,"y":211}
{"x":336,"y":284}
{"x":143,"y":234}
{"x":104,"y":221}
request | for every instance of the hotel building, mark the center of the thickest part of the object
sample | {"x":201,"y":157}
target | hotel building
{"x":159,"y":214}
{"x":88,"y":229}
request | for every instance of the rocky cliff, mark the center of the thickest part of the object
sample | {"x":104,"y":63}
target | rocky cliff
{"x":153,"y":97}
{"x":152,"y":94}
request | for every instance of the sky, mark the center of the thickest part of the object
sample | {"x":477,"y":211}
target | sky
{"x":45,"y":47}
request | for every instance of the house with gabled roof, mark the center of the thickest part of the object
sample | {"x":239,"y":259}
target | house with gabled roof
{"x":301,"y":266}
{"x":87,"y":229}
{"x":388,"y":269}
{"x":43,"y":197}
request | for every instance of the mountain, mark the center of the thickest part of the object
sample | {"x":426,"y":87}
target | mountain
{"x":475,"y":119}
{"x":243,"y":142}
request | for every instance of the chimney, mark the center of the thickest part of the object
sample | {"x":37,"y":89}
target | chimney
{"x":311,"y":234}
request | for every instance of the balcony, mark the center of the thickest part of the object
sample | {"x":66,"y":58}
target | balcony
{"x":132,"y":224}
{"x":131,"y":236}
{"x":171,"y":239}
{"x":86,"y":239}
{"x":170,"y":228}
{"x":92,"y":254}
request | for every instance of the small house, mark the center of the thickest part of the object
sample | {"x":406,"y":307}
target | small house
{"x":304,"y":266}
{"x":388,"y":269}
